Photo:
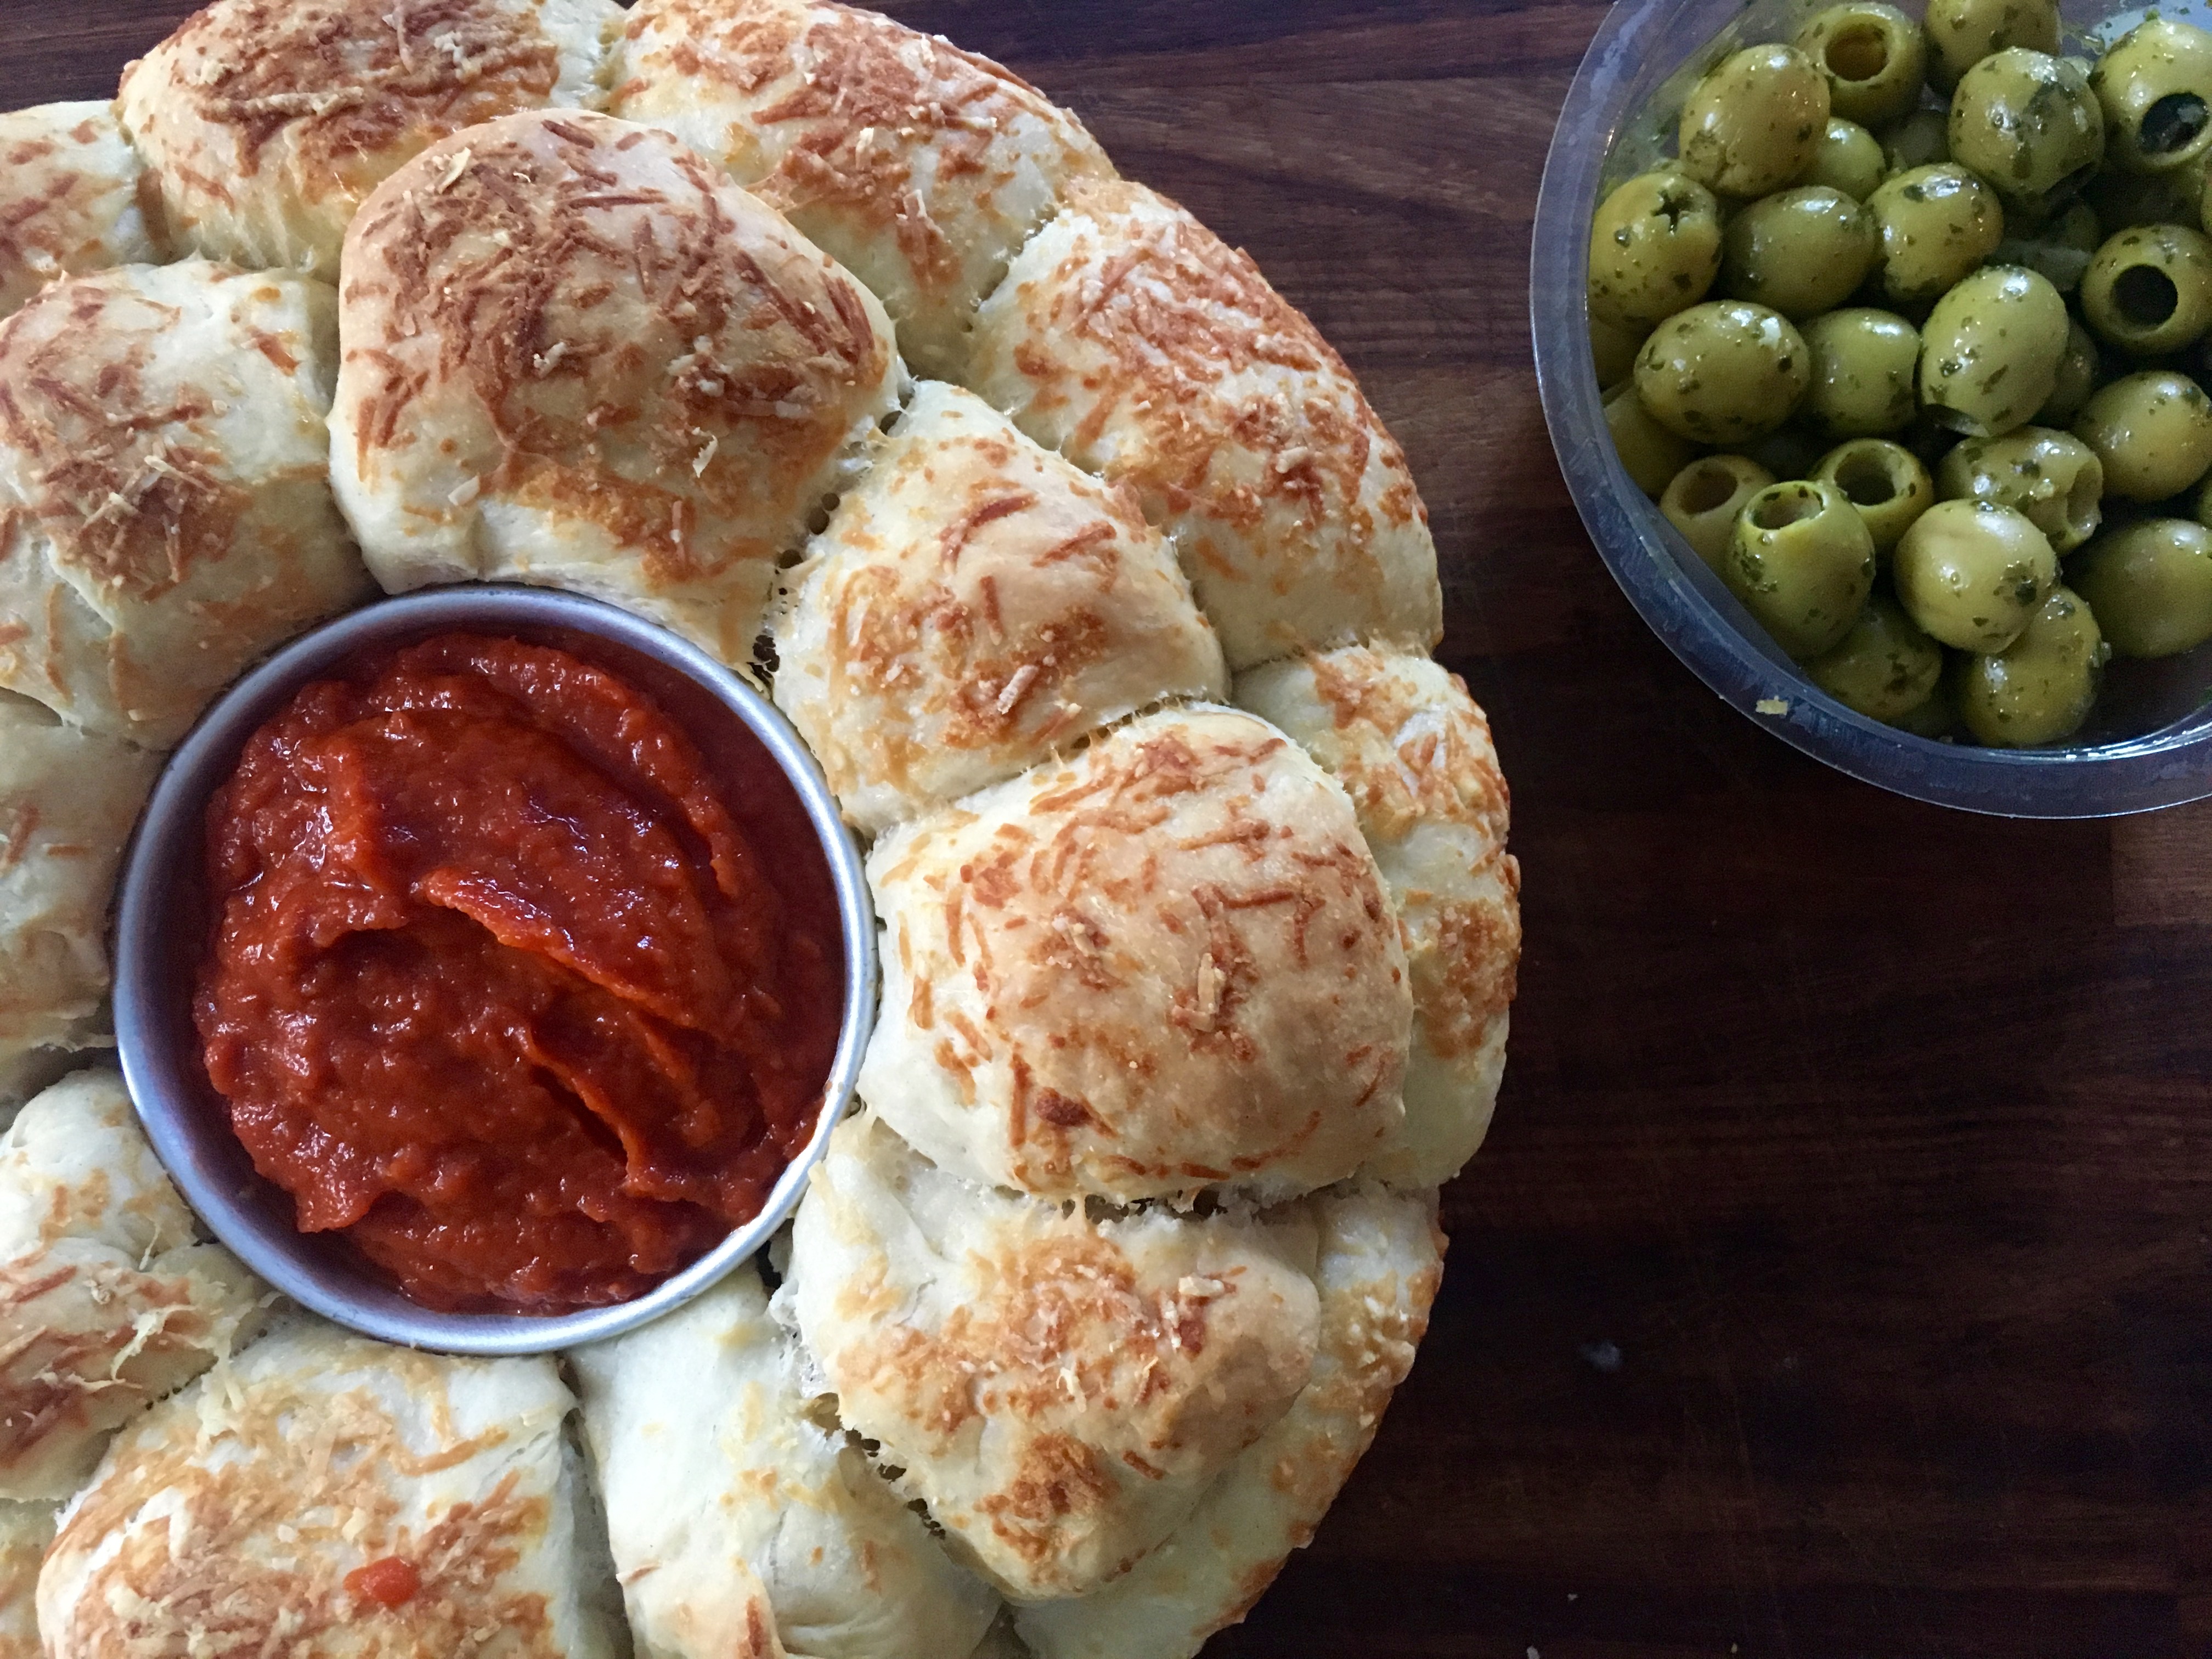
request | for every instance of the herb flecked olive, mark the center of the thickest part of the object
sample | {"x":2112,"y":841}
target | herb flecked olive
{"x":1864,"y":362}
{"x":2155,"y":85}
{"x":1753,"y":124}
{"x":1884,"y":481}
{"x":1849,"y":159}
{"x":2076,"y":378}
{"x":1990,"y":350}
{"x":1922,"y":139}
{"x":1961,"y":32}
{"x":2041,"y":687}
{"x":1800,"y":252}
{"x":2027,"y":122}
{"x":2152,"y":431}
{"x":1651,"y":453}
{"x":1654,"y":249}
{"x":1704,"y":498}
{"x":2150,"y":584}
{"x":1937,"y":224}
{"x":1802,"y":563}
{"x":2053,"y":477}
{"x":1885,"y":667}
{"x":2126,"y":199}
{"x":1874,"y":55}
{"x":1722,"y":372}
{"x":1970,"y":574}
{"x":2149,"y":289}
{"x":1612,"y":352}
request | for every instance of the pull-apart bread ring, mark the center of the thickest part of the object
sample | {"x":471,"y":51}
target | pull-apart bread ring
{"x":1164,"y":964}
{"x":921,"y":167}
{"x":1137,"y":342}
{"x":575,"y":355}
{"x":1414,"y":752}
{"x":165,"y":503}
{"x":26,"y":1529}
{"x":266,"y":123}
{"x":975,"y":603}
{"x":67,"y":801}
{"x":331,"y":1498}
{"x":1059,"y":1391}
{"x":786,"y":1532}
{"x":112,"y":1301}
{"x":73,"y":197}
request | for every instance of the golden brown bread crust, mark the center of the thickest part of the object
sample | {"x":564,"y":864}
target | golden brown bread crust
{"x":975,"y":603}
{"x":1133,"y":340}
{"x":922,"y":167}
{"x":266,"y":123}
{"x":576,"y":354}
{"x":73,"y":198}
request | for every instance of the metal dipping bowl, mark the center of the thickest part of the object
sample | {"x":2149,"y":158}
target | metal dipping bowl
{"x":162,"y":930}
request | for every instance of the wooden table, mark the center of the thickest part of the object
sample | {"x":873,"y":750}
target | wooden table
{"x":1834,"y":1282}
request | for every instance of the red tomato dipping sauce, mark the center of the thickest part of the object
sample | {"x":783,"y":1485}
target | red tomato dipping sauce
{"x":501,"y":986}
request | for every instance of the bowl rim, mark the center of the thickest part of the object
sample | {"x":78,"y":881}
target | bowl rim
{"x":144,"y":994}
{"x":1682,"y":602}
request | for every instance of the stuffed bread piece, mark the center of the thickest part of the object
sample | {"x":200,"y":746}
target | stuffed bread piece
{"x":113,"y":1298}
{"x":326,"y":1497}
{"x":575,"y":355}
{"x":73,"y":197}
{"x":923,"y":168}
{"x":785,"y":1540}
{"x":1414,"y":752}
{"x":266,"y":123}
{"x":975,"y":603}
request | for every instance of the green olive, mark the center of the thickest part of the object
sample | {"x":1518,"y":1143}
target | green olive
{"x":1801,"y":252}
{"x":1922,"y":139}
{"x":1651,"y":453}
{"x":2149,"y":289}
{"x":1937,"y":224}
{"x":2027,"y":122}
{"x":1961,"y":32}
{"x":2052,"y":477}
{"x":2126,"y":199}
{"x":1802,"y":563}
{"x":1876,"y":59}
{"x":1971,"y":573}
{"x":1655,"y":249}
{"x":1864,"y":365}
{"x":1884,"y":481}
{"x":1849,"y":160}
{"x":1612,"y":352}
{"x":1704,"y":498}
{"x":2041,"y":687}
{"x":2152,"y":431}
{"x":1752,"y":123}
{"x":2058,"y":249}
{"x":2155,"y":85}
{"x":2150,"y":584}
{"x":1990,"y":350}
{"x":1722,"y":372}
{"x":1885,"y":667}
{"x":2077,"y":378}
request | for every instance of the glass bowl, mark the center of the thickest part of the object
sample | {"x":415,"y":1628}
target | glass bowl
{"x":2148,"y":744}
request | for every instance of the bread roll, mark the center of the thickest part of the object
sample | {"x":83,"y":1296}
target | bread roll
{"x":575,"y":355}
{"x":326,"y":1497}
{"x":111,"y":1304}
{"x":68,"y":799}
{"x":266,"y":123}
{"x":26,"y":1529}
{"x":975,"y":603}
{"x":1059,"y":1392}
{"x":1134,"y":341}
{"x":1414,"y":752}
{"x":921,"y":167}
{"x":1381,"y":1261}
{"x":71,"y":198}
{"x":780,"y":1521}
{"x":165,"y":509}
{"x":1164,"y":964}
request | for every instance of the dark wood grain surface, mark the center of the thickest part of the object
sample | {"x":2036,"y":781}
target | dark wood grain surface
{"x":1835,"y":1281}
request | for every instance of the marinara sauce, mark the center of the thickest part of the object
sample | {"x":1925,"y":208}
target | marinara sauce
{"x":500,"y":986}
